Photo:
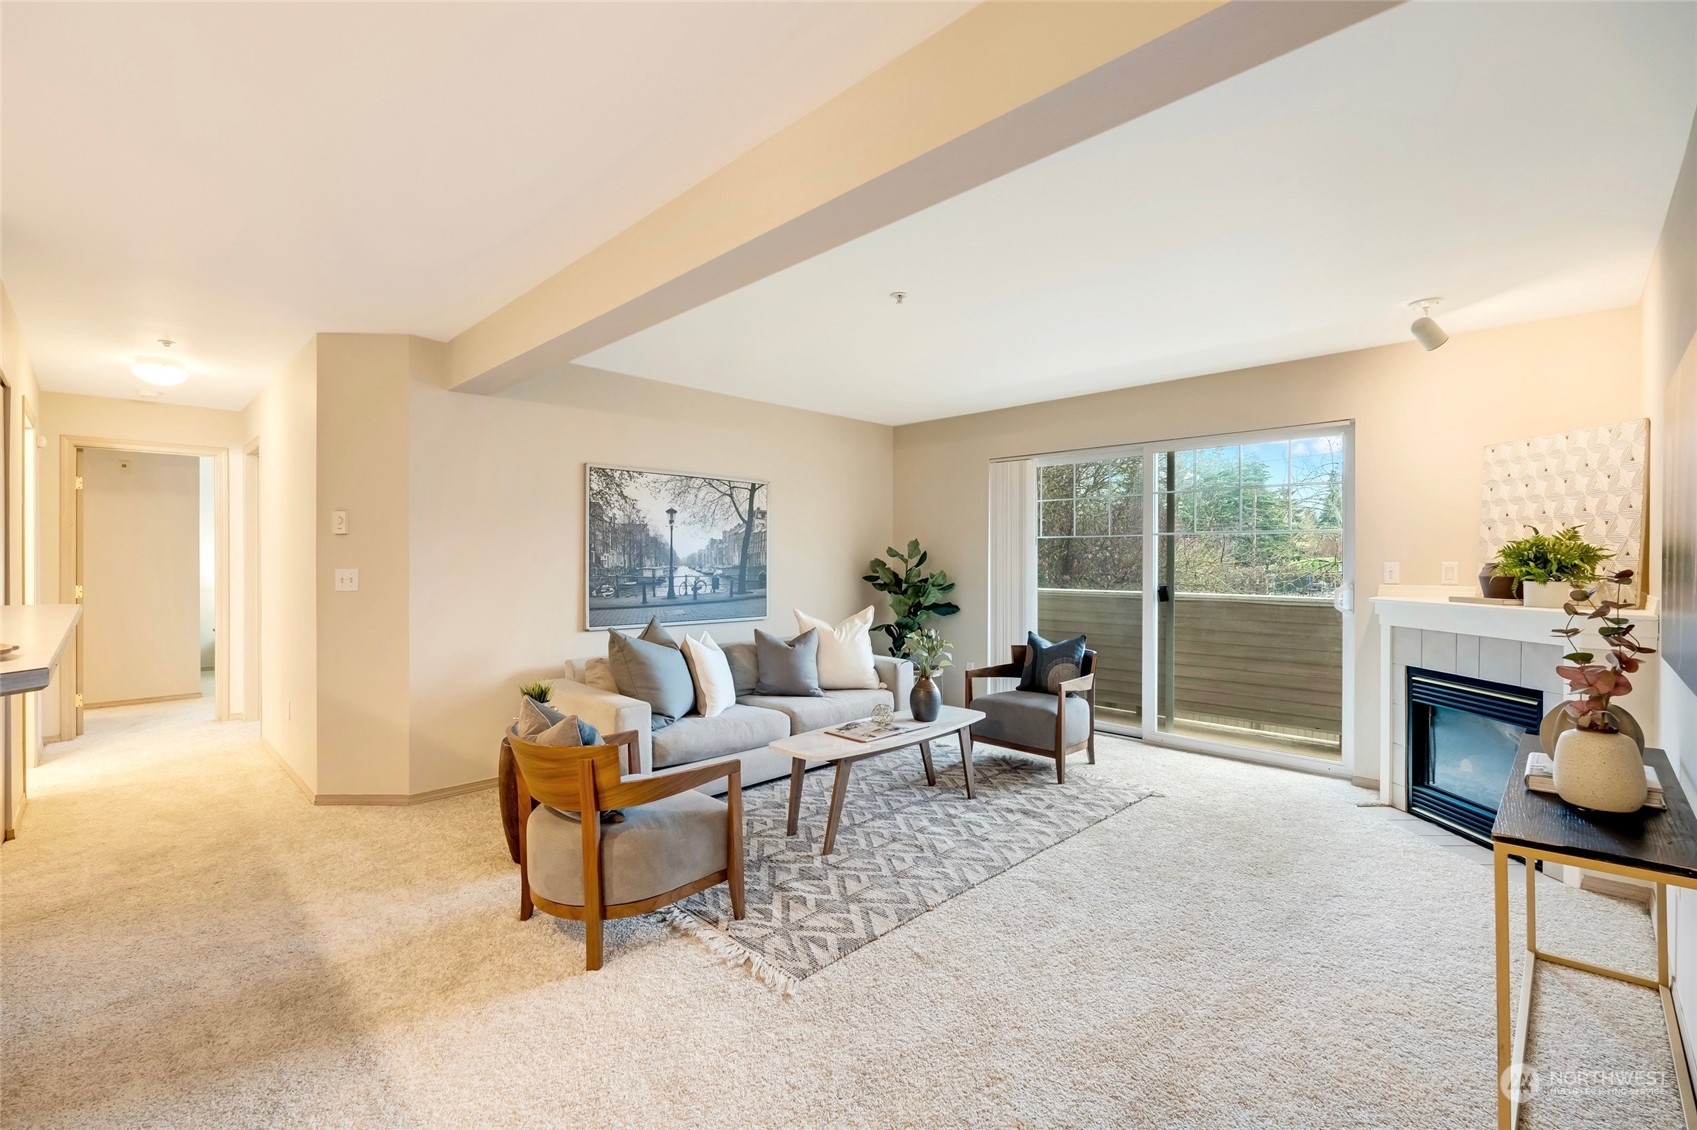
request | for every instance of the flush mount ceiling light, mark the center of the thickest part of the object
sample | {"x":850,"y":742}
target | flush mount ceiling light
{"x":899,"y":295}
{"x":1427,"y":332}
{"x":160,"y":370}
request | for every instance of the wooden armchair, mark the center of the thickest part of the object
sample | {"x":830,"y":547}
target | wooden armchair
{"x":672,"y":843}
{"x":1049,"y":725}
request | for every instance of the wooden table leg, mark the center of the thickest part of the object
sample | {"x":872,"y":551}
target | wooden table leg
{"x":797,"y":768}
{"x":839,"y":789}
{"x":966,"y":757}
{"x":925,"y":756}
{"x":1504,"y":1032}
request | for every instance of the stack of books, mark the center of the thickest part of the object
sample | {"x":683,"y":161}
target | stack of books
{"x":1541,"y":778}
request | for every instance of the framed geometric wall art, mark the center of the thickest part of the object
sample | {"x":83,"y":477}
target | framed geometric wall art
{"x":1594,"y":478}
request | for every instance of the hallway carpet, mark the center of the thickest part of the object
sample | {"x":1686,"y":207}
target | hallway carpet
{"x":185,"y":942}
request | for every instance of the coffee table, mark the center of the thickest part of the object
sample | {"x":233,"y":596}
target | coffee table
{"x":817,"y":746}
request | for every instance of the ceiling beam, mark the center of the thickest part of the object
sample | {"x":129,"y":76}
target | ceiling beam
{"x":1006,"y":84}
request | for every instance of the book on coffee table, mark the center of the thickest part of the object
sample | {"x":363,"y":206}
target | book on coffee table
{"x":869,"y":730}
{"x":1541,"y":778}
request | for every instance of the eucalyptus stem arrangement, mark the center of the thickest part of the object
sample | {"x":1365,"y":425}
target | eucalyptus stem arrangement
{"x":1600,"y":683}
{"x":928,"y":651}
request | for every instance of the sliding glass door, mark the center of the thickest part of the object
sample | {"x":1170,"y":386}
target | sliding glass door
{"x":1090,"y":570}
{"x":1212,"y":580}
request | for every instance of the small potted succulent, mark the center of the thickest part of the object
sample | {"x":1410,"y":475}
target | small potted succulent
{"x":929,"y":653}
{"x":537,"y":691}
{"x":1550,"y":566}
{"x":1599,"y":766}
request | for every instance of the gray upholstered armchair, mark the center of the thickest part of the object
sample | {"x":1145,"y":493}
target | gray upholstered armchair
{"x":672,"y":841}
{"x":1050,"y":725}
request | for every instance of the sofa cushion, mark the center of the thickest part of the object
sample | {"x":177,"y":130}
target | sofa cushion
{"x":1028,"y":718}
{"x":715,"y":689}
{"x":833,"y":708}
{"x":695,"y":738}
{"x":845,"y":651}
{"x":788,"y":667}
{"x":659,"y":847}
{"x":745,"y":666}
{"x":653,"y":672}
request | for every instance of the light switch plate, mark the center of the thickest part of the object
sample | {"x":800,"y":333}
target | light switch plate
{"x":1451,"y":571}
{"x":347,"y":580}
{"x":1393,"y":572}
{"x":338,"y":521}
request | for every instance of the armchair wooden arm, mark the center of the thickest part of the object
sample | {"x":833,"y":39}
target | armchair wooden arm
{"x":632,"y":741}
{"x":999,"y":671}
{"x":1080,"y":685}
{"x":656,"y":786}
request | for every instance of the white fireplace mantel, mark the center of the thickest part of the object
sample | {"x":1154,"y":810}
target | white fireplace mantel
{"x":1420,"y":626}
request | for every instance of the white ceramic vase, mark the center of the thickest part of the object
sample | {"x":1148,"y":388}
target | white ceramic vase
{"x":1544,"y":594}
{"x":1603,"y":772}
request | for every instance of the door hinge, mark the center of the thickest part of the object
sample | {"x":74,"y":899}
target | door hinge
{"x":79,"y":593}
{"x":79,"y":482}
{"x":79,"y":702}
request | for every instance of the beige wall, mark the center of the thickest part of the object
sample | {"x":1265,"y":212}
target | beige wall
{"x":284,"y":419}
{"x":1421,"y":420}
{"x":1670,"y":343}
{"x":141,"y":576}
{"x":139,"y":422}
{"x":25,"y":395}
{"x":362,"y":468}
{"x":498,"y":525}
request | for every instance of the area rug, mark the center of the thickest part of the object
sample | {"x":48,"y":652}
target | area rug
{"x":903,"y":848}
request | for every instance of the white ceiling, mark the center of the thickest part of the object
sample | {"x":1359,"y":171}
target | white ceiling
{"x":1517,"y":159}
{"x":239,"y":176}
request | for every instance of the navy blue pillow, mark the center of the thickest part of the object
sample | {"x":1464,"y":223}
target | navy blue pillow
{"x":1048,"y":665}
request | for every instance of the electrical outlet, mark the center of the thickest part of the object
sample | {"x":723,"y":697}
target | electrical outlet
{"x":347,"y":580}
{"x":1451,"y":572}
{"x":1393,"y":572}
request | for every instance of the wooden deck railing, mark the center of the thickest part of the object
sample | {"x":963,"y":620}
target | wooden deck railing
{"x":1257,"y":662}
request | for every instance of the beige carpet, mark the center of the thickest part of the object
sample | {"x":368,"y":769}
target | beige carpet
{"x":184,"y":942}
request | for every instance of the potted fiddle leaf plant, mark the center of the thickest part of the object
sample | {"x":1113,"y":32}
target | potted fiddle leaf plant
{"x":1598,"y":764}
{"x":915,"y":596}
{"x":929,"y":653}
{"x":1549,"y":566}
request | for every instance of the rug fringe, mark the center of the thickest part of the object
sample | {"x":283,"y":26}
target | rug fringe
{"x":729,"y":951}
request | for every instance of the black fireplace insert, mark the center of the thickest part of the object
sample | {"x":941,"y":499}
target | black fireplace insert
{"x":1462,"y":737}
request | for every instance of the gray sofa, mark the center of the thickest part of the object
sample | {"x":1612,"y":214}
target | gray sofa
{"x":743,"y":730}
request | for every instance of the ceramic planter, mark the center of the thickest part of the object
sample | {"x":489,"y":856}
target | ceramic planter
{"x":925,"y":699}
{"x":1545,"y":594}
{"x":1602,"y":772}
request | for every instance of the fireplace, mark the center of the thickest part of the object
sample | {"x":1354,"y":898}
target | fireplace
{"x":1462,"y":737}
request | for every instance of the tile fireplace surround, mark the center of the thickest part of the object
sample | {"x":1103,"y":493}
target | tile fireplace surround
{"x":1419,"y":626}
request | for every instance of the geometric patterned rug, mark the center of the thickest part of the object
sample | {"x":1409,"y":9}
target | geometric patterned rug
{"x":903,"y":848}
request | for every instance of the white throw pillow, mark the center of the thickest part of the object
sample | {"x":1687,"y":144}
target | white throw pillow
{"x":715,"y":689}
{"x":845,"y":651}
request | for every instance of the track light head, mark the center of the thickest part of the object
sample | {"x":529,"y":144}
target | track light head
{"x":1427,"y":332}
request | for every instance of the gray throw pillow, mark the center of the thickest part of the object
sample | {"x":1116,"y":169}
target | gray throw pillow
{"x":656,"y":673}
{"x":788,"y":667}
{"x":538,"y":718}
{"x":654,"y":633}
{"x":1048,"y":665}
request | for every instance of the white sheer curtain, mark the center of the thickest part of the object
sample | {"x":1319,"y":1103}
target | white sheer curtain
{"x":1013,"y":555}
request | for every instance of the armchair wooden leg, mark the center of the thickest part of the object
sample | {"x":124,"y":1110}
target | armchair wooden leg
{"x":591,"y":941}
{"x":733,"y":849}
{"x":1090,"y":721}
{"x":1060,"y":767}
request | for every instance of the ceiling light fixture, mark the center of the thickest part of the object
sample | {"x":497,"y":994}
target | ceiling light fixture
{"x":1427,"y":332}
{"x":158,"y":370}
{"x":899,"y":295}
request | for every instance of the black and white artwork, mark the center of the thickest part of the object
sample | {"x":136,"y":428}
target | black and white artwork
{"x":690,"y":549}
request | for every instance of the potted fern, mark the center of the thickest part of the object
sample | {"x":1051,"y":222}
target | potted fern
{"x":1550,"y":566}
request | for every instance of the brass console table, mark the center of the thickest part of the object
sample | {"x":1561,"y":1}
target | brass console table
{"x":1653,"y":846}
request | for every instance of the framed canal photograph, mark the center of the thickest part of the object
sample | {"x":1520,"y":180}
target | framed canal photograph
{"x":690,"y":549}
